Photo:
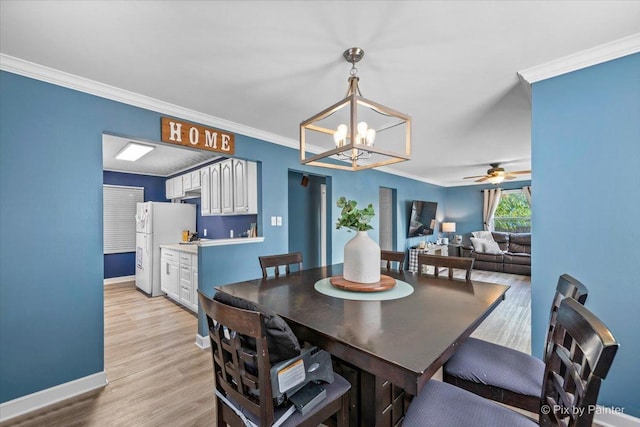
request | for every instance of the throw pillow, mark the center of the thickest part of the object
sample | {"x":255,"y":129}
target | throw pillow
{"x":282,"y":342}
{"x":483,"y":235}
{"x":477,"y":244}
{"x":491,"y":247}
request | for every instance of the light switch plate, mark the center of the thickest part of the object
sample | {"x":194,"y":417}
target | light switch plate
{"x":274,"y":221}
{"x":279,"y":220}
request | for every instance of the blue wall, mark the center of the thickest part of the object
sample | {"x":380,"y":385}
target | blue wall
{"x":124,"y":264}
{"x":464,"y":205}
{"x":586,"y":173}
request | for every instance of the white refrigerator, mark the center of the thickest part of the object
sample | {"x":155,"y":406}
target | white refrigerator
{"x":158,"y":224}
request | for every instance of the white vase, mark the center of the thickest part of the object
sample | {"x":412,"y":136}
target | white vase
{"x":362,"y":259}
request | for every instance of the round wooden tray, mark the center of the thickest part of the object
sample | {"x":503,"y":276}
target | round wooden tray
{"x":384,"y":284}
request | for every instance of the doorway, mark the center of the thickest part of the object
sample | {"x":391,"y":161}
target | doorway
{"x":308,"y":216}
{"x":387,"y":226}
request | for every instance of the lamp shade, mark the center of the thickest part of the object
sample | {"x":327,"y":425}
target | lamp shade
{"x":448,"y":227}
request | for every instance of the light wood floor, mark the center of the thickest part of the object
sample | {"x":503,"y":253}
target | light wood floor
{"x":158,"y":377}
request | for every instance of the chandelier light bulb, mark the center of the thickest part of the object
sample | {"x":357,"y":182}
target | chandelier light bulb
{"x":339,"y":135}
{"x":371,"y":136}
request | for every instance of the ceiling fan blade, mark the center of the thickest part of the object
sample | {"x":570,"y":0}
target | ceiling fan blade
{"x":469,"y":177}
{"x":519,"y":172}
{"x":509,"y":177}
{"x":483,"y":179}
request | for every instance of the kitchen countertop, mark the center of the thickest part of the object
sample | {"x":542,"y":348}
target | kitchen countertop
{"x":192,"y":247}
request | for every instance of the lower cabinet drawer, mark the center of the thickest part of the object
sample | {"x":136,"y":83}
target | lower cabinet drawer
{"x":185,"y":273}
{"x":185,"y":294}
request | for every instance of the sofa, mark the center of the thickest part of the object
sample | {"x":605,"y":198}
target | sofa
{"x":515,"y":255}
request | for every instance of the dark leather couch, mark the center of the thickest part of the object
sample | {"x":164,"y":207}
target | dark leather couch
{"x":516,"y":256}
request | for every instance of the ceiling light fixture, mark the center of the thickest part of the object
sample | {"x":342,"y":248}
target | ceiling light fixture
{"x":354,"y":124}
{"x":496,"y":179}
{"x":133,"y":151}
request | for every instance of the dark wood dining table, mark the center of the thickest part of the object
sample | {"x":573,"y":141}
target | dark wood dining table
{"x":387,"y":349}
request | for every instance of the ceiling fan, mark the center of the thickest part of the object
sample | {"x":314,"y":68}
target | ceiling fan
{"x":496,"y":174}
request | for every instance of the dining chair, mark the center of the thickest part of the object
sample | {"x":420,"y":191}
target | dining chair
{"x":582,"y":352}
{"x":240,"y":349}
{"x":450,"y":262}
{"x":393,"y":256}
{"x":276,"y":261}
{"x":501,"y":373}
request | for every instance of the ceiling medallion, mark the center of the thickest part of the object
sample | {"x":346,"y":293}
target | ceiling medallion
{"x":356,"y":133}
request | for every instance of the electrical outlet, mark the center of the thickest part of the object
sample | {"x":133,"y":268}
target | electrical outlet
{"x":279,"y":221}
{"x":204,"y":232}
{"x":273,"y":221}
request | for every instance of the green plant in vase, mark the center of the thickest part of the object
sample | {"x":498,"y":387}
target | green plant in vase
{"x":353,"y":218}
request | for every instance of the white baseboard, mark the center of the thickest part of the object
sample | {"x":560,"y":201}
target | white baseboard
{"x":34,"y":401}
{"x":121,"y":279}
{"x":606,"y":417}
{"x":203,"y":342}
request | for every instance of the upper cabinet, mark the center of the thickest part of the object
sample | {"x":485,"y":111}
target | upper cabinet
{"x":226,"y":186}
{"x":183,"y":186}
{"x":174,"y":188}
{"x":205,"y":193}
{"x":229,"y":187}
{"x":238,"y":188}
{"x":214,"y":192}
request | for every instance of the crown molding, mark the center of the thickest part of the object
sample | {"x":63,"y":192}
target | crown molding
{"x":577,"y":61}
{"x":71,"y":81}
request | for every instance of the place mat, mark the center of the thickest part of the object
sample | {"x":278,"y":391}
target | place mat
{"x":400,"y":290}
{"x":384,"y":284}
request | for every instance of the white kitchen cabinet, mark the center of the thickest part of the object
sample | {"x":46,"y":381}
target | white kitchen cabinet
{"x":245,"y":187}
{"x":168,"y":189}
{"x":178,"y":188}
{"x":195,"y":180}
{"x":179,"y":277}
{"x":226,"y":186}
{"x":186,"y":182}
{"x":169,"y":272}
{"x":174,"y":188}
{"x":240,"y":199}
{"x":216,"y":202}
{"x":205,"y":191}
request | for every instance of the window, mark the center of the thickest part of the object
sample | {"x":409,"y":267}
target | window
{"x":119,"y":210}
{"x":513,"y":213}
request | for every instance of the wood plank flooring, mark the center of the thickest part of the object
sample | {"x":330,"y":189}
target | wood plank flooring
{"x":159,"y":377}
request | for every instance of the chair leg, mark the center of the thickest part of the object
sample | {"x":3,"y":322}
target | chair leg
{"x":343,"y":414}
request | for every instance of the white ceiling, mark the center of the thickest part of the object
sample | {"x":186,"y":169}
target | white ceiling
{"x":271,"y":64}
{"x":163,"y":160}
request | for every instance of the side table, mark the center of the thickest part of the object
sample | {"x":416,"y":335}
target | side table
{"x":433,"y":250}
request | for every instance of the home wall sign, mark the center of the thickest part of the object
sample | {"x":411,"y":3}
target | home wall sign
{"x":191,"y":135}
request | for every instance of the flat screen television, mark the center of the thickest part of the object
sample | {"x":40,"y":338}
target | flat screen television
{"x":423,"y":218}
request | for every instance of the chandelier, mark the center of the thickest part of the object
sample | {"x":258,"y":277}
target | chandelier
{"x":355,"y":133}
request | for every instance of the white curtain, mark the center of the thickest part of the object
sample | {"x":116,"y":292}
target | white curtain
{"x":527,"y":193}
{"x":491,"y":200}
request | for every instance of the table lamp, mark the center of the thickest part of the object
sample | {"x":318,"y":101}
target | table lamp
{"x":449,"y":228}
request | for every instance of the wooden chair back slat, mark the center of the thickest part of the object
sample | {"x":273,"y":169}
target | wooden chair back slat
{"x":567,"y":287}
{"x":449,"y":262}
{"x":393,"y":256}
{"x":276,"y":261}
{"x":582,"y":352}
